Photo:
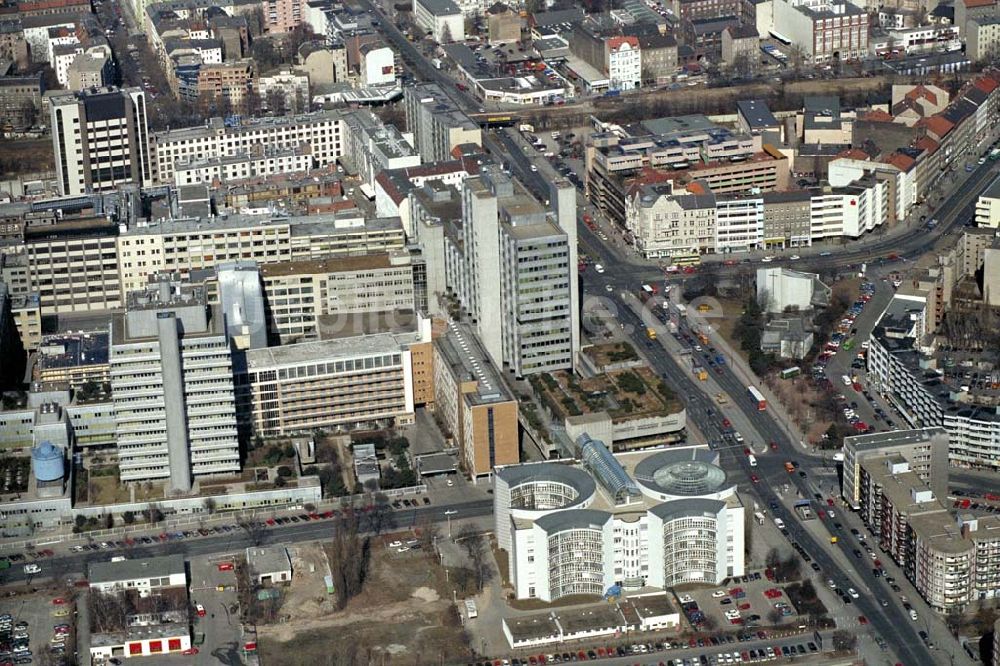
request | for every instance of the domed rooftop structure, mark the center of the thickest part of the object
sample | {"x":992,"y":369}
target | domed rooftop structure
{"x":47,"y":462}
{"x":683,"y":474}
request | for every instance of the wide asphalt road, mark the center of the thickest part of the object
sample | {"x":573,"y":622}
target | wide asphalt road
{"x":74,"y":565}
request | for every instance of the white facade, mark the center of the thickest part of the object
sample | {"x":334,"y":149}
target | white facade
{"x":842,"y":172}
{"x":100,"y":140}
{"x":378,"y":65}
{"x":850,"y":211}
{"x":988,"y":208}
{"x":224,"y":169}
{"x":781,"y":288}
{"x":624,"y":63}
{"x":321,"y":130}
{"x":294,"y":88}
{"x":442,"y":19}
{"x":172,"y":387}
{"x":663,"y":225}
{"x":580,"y":529}
{"x":739,"y":224}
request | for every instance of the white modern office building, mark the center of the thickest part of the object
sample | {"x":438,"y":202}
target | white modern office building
{"x":172,"y":387}
{"x":512,"y":266}
{"x":645,"y":519}
{"x":100,"y":139}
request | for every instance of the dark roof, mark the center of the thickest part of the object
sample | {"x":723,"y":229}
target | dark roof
{"x":654,"y":40}
{"x":743,"y":31}
{"x":756,"y":113}
{"x":104,"y":106}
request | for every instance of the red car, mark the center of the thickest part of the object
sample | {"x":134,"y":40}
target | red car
{"x":829,"y":501}
{"x":862,"y":619}
{"x":774,"y":445}
{"x":755,"y":478}
{"x":190,"y":651}
{"x":726,"y":423}
{"x":58,"y":601}
{"x":226,"y":566}
{"x":200,"y":610}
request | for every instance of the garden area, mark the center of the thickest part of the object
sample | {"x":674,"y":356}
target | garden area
{"x":623,"y":394}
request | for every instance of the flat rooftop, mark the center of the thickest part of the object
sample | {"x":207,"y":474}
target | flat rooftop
{"x":532,"y":627}
{"x":877,"y":440}
{"x":364,"y":262}
{"x":594,"y":618}
{"x":331,"y":350}
{"x":73,"y":350}
{"x":124,"y":570}
{"x":468,"y":361}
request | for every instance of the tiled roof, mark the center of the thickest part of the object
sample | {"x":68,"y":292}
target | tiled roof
{"x":900,"y":161}
{"x":927,"y":143}
{"x":938,"y":125}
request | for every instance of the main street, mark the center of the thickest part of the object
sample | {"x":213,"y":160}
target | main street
{"x":624,"y":273}
{"x":74,"y":565}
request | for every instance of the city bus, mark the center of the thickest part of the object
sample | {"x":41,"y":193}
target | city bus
{"x":688,"y":259}
{"x":757,"y":397}
{"x":788,"y":373}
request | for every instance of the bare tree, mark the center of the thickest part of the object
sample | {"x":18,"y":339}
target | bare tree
{"x":254,"y":531}
{"x":476,"y":547}
{"x":427,"y":532}
{"x":381,"y":515}
{"x":348,"y":555}
{"x":844,"y":640}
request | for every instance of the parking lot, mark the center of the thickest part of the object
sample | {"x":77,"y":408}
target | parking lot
{"x":746,"y":603}
{"x":31,"y":630}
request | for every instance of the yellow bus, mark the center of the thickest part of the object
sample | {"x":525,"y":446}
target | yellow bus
{"x":651,"y":334}
{"x":689,"y":259}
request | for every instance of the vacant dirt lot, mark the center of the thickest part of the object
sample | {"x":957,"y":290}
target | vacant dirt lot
{"x":403,"y":616}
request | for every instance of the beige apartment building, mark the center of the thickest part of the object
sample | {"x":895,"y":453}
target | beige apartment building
{"x":300,"y":295}
{"x":342,"y":384}
{"x":192,"y":244}
{"x":472,"y":403}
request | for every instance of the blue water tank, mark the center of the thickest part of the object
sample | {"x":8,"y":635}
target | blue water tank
{"x":47,"y":462}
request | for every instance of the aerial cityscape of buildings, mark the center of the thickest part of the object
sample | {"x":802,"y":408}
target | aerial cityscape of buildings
{"x":581,"y":332}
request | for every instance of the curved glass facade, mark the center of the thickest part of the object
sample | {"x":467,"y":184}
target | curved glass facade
{"x":542,"y":496}
{"x":689,"y":550}
{"x":691,"y":478}
{"x":576,"y":563}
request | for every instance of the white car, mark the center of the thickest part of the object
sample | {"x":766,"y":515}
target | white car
{"x":718,"y":594}
{"x":395,"y":544}
{"x":599,"y":268}
{"x":831,"y":584}
{"x":609,"y":288}
{"x":795,"y":257}
{"x":768,"y":259}
{"x":854,"y":593}
{"x":534,"y":168}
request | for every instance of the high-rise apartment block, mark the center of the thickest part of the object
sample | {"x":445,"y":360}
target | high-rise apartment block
{"x":172,"y":387}
{"x":100,"y":140}
{"x":510,"y":267}
{"x":437,"y":124}
{"x":952,"y":560}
